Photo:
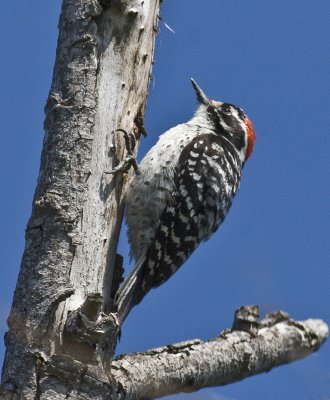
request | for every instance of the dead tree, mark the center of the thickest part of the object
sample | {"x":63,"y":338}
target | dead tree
{"x":61,"y":335}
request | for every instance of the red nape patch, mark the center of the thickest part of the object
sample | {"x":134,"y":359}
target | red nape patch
{"x":251,"y":138}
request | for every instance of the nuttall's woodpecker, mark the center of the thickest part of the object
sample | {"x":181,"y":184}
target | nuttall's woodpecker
{"x":182,"y":192}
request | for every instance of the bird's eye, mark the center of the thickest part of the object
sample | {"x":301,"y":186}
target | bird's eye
{"x":226,"y":110}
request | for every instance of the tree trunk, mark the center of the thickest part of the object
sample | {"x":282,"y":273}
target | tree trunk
{"x":61,"y":335}
{"x":100,"y":83}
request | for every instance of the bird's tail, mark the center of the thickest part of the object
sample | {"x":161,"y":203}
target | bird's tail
{"x":129,"y":293}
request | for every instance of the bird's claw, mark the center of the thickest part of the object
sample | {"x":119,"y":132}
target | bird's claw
{"x":125,"y":165}
{"x":129,"y":161}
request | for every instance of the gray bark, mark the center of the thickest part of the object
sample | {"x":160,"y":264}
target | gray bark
{"x":233,"y":356}
{"x":61,"y":336}
{"x":182,"y":367}
{"x":100,"y":83}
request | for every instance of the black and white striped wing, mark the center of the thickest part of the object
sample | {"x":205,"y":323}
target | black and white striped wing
{"x":206,"y":181}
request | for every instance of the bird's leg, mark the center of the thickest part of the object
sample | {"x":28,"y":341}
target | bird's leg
{"x":129,"y":161}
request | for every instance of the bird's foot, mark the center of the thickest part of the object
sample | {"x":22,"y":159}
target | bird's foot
{"x":129,"y":161}
{"x":125,"y":165}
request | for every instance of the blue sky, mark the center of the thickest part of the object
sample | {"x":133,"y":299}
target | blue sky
{"x":269,"y":57}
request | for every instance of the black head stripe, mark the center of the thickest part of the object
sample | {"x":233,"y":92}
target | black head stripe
{"x":241,"y":114}
{"x":227,"y":125}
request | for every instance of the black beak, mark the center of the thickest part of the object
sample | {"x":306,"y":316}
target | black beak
{"x":201,"y":96}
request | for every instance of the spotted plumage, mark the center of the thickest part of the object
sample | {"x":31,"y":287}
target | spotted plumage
{"x":182,"y":193}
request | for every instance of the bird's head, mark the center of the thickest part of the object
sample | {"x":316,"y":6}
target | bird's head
{"x":229,"y":121}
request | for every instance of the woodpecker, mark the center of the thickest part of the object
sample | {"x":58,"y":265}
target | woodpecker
{"x":182,"y":192}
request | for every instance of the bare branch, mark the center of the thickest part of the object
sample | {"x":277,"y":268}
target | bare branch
{"x":233,"y":356}
{"x":181,"y":367}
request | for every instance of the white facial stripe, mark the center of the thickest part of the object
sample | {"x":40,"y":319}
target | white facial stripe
{"x":225,"y":126}
{"x":235,"y":114}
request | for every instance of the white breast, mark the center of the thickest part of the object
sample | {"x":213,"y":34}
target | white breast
{"x":152,"y":188}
